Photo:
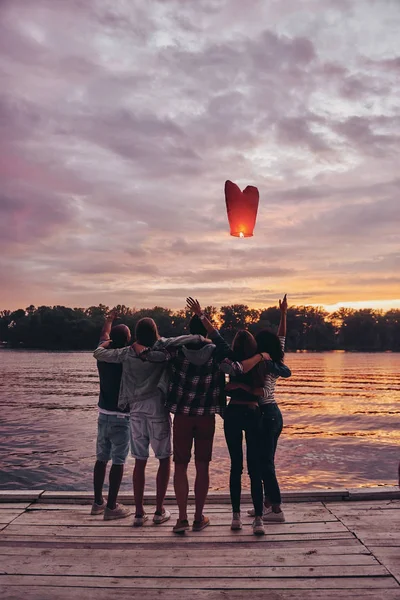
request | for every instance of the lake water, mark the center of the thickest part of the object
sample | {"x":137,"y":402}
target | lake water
{"x":341,"y":422}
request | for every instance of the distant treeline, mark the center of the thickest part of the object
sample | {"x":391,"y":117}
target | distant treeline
{"x":308,"y":327}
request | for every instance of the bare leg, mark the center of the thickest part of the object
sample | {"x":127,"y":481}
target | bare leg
{"x":201,"y":486}
{"x":163,"y":475}
{"x":181,"y":486}
{"x":138,"y":480}
{"x":115,"y":478}
{"x":99,"y":474}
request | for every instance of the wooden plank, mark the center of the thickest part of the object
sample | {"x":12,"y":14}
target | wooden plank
{"x":268,"y":541}
{"x":109,"y":529}
{"x":20,"y":495}
{"x":223,"y":508}
{"x":65,"y":593}
{"x":27,"y":566}
{"x":81,"y":518}
{"x":364,"y":505}
{"x":162,"y":583}
{"x":169,"y":556}
{"x":6,"y":516}
{"x":15,"y":505}
{"x":213,"y":497}
{"x":390,"y":558}
{"x":377,"y":493}
{"x":393,"y":542}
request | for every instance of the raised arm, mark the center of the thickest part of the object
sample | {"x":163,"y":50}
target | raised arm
{"x":282,"y":322}
{"x":223,"y":349}
{"x":105,"y":332}
{"x":194,"y":306}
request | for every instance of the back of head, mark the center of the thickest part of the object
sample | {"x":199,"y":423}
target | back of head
{"x":196,"y":327}
{"x":245,"y":346}
{"x":146,"y":332}
{"x":267,"y":341}
{"x":120,"y":336}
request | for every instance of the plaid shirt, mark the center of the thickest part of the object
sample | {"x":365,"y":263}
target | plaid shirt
{"x":196,"y":389}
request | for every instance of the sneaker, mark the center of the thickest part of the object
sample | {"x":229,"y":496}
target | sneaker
{"x":98,"y":509}
{"x":140,"y":520}
{"x":266,"y":512}
{"x":258,"y":527}
{"x":161,"y":517}
{"x":236,"y":522}
{"x":252,"y":513}
{"x":202,"y":524}
{"x":119,"y":512}
{"x":181,"y":526}
{"x":273,"y":517}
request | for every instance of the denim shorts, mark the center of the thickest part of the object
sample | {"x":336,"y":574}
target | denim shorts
{"x":112,"y":438}
{"x":150,"y":431}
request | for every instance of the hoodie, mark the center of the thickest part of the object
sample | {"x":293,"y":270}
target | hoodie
{"x":194,"y":384}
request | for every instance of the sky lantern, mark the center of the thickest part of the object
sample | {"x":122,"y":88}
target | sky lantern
{"x":242,"y":209}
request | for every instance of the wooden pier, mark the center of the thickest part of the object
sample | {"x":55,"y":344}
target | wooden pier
{"x":52,"y":549}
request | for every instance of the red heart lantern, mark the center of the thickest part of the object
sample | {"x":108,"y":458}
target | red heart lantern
{"x":242,"y":209}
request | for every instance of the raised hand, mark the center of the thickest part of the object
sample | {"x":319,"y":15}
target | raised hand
{"x":112,"y":315}
{"x":194,"y":306}
{"x":283,"y":304}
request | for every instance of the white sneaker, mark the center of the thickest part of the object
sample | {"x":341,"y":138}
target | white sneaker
{"x":140,"y":520}
{"x":273,"y":517}
{"x":165,"y":516}
{"x":252,"y":513}
{"x":98,"y":509}
{"x":119,"y":512}
{"x":258,"y":527}
{"x":236,"y":522}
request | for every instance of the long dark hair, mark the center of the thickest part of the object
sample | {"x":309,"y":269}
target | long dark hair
{"x":267,"y":341}
{"x":244,"y":346}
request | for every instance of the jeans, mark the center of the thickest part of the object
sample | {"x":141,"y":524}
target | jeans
{"x":271,"y":429}
{"x":112,"y":438}
{"x":239,"y":418}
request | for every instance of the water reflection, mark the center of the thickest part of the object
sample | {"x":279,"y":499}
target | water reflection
{"x":341,"y":414}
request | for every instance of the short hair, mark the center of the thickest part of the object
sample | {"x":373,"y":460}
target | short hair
{"x":267,"y":341}
{"x":120,"y":336}
{"x":146,"y":332}
{"x":196,"y":327}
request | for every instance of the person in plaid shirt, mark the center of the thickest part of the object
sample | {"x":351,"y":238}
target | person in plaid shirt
{"x":195,"y":393}
{"x":194,"y":388}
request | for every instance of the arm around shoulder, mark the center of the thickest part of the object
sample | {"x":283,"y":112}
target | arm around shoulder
{"x":117,"y":355}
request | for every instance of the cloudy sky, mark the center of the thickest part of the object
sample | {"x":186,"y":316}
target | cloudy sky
{"x":120,"y":121}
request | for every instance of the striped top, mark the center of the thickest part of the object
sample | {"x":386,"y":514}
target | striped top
{"x":270,"y":382}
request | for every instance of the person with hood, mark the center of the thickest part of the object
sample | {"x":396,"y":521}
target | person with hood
{"x":150,"y":423}
{"x":194,"y":394}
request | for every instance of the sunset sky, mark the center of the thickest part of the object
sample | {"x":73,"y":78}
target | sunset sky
{"x":120,"y":121}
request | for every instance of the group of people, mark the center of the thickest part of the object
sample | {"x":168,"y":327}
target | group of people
{"x":143,"y":382}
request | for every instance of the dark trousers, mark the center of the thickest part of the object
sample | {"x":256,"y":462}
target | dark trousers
{"x":239,"y":418}
{"x":271,"y":429}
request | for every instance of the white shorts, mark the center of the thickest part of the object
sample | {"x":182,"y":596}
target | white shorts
{"x":150,"y":431}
